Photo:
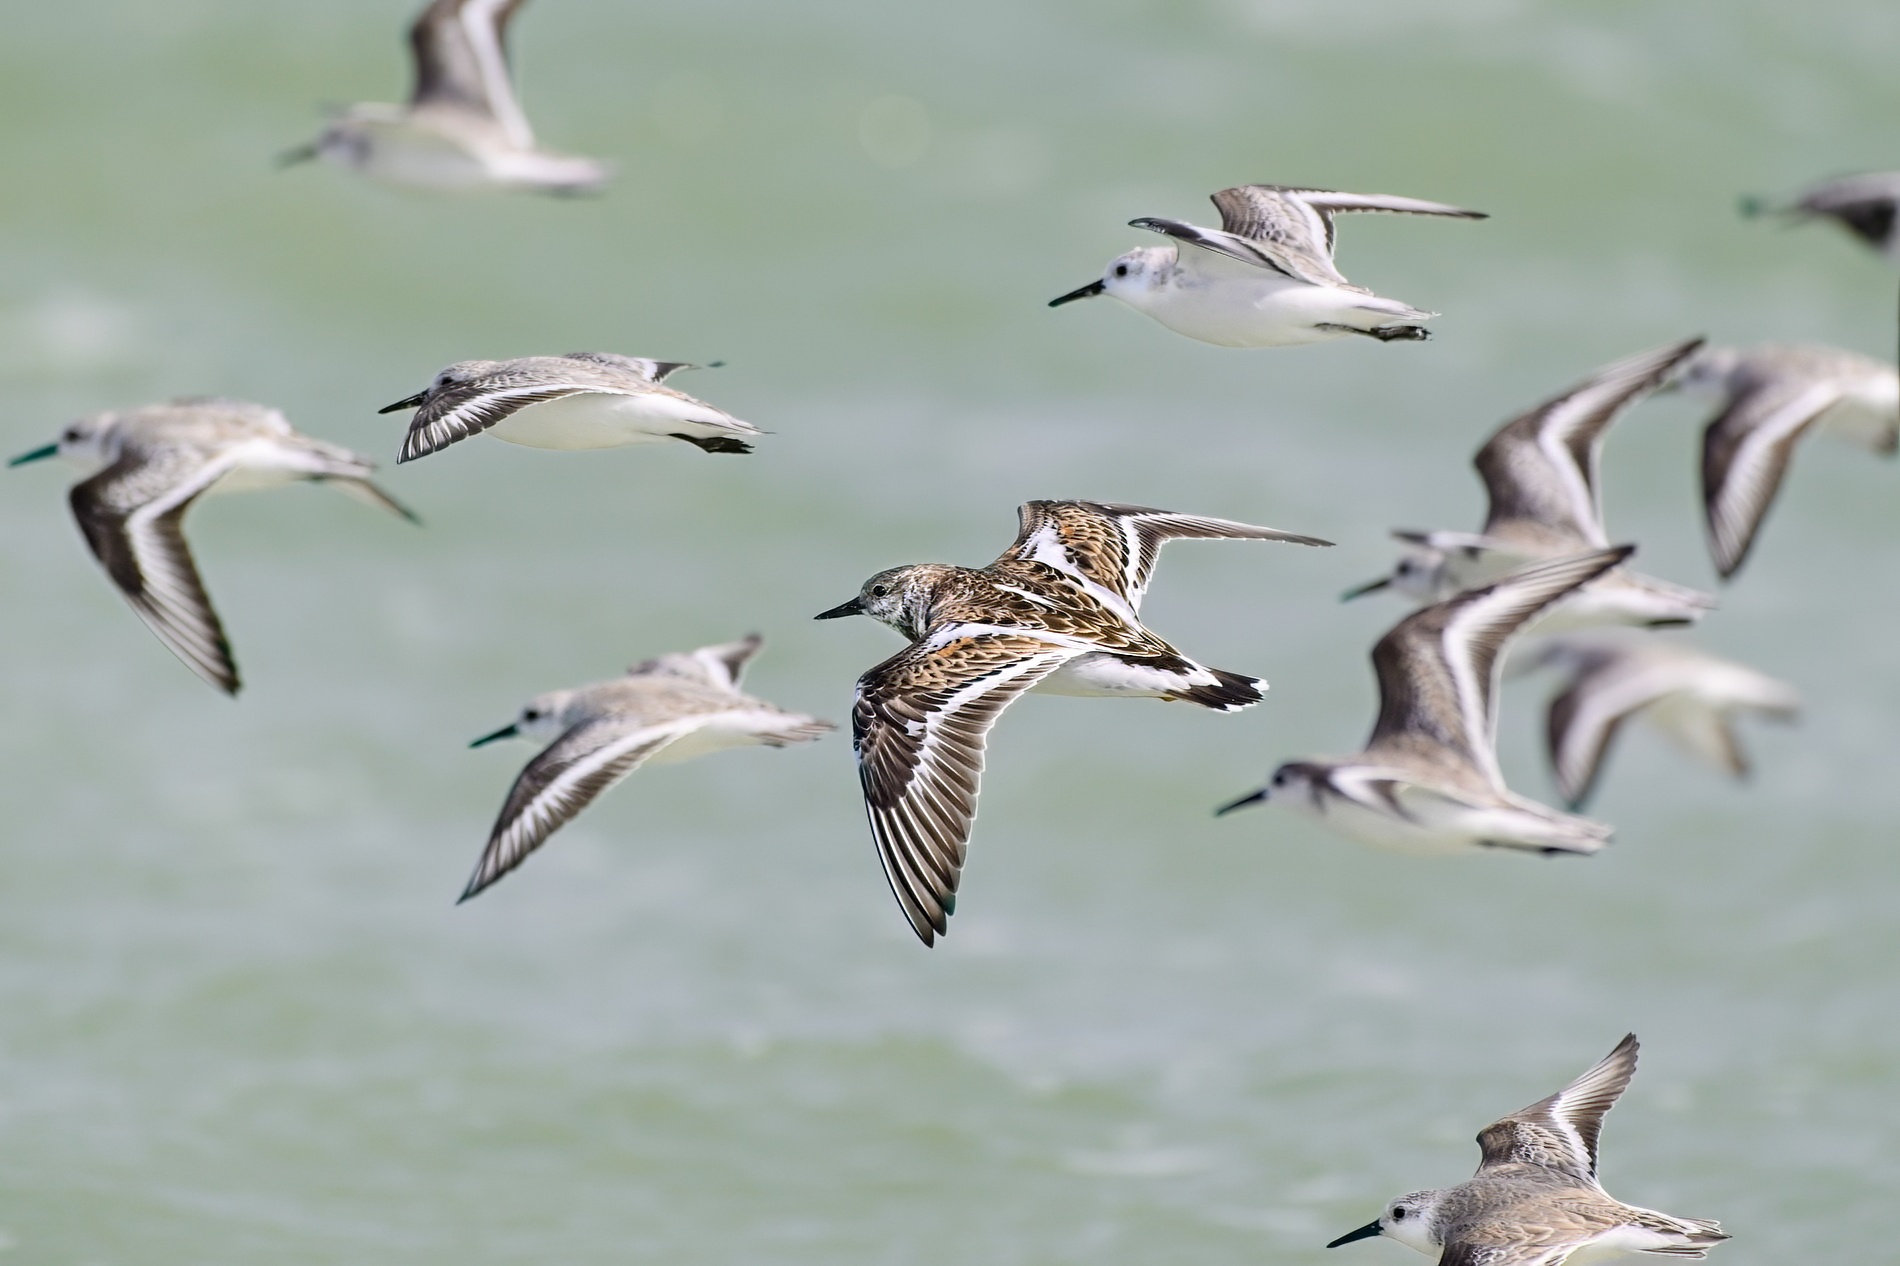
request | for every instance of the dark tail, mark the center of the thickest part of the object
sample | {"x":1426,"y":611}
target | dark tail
{"x":715,"y":443}
{"x":1230,"y":692}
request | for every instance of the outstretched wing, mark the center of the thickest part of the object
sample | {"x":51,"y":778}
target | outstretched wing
{"x":1584,"y":719}
{"x":1111,"y":550}
{"x":1290,"y":229}
{"x":132,"y":515}
{"x":1438,"y":667}
{"x":562,"y":780}
{"x":455,"y":411}
{"x":918,"y":726}
{"x":462,"y":63}
{"x":1541,"y":467}
{"x":1560,"y":1133}
{"x":1745,"y":454}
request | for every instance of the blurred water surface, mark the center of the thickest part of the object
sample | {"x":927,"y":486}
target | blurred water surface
{"x":240,"y":1019}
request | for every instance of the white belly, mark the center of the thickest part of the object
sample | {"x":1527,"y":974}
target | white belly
{"x":1437,"y":825}
{"x":600,"y":420}
{"x":1271,"y":312}
{"x":399,"y":153}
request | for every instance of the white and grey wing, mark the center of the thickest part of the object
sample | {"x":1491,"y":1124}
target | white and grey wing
{"x":132,"y":514}
{"x":1745,"y":454}
{"x":1112,"y":549}
{"x":1541,"y":466}
{"x":564,"y":778}
{"x":1438,"y":667}
{"x":454,"y":411}
{"x":460,"y":49}
{"x":1301,"y":219}
{"x":1263,"y":227}
{"x":1560,"y":1132}
{"x":1584,"y":719}
{"x":919,"y":725}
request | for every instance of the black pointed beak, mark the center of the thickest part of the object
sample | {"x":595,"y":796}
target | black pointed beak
{"x":294,"y":156}
{"x":1251,"y":798}
{"x":1383,"y":582}
{"x":1086,"y":292}
{"x":1365,"y":1232}
{"x":38,"y":454}
{"x":506,"y":731}
{"x":407,"y":402}
{"x":853,"y":607}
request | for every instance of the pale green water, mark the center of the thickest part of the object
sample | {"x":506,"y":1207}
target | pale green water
{"x":240,"y":1020}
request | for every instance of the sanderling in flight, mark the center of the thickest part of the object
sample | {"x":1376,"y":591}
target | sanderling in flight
{"x":1692,"y":697}
{"x":1772,"y":395}
{"x":1266,"y":277}
{"x":1540,"y":474}
{"x":463,"y":128}
{"x":580,"y":400}
{"x":1536,"y":1200}
{"x":1428,"y":780}
{"x":152,"y":463}
{"x":1059,"y":613}
{"x":1864,"y":205}
{"x":661,"y":712}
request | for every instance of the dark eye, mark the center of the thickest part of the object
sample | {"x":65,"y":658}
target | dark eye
{"x":1398,"y":1215}
{"x":72,"y":435}
{"x":1121,"y":270}
{"x":878,"y":591}
{"x":532,"y":714}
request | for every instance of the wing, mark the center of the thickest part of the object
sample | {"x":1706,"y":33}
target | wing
{"x":462,"y":63}
{"x":1272,"y":211}
{"x":454,"y":412}
{"x":1293,"y":246}
{"x":652,"y":370}
{"x":918,"y":726}
{"x":1111,"y":549}
{"x":1531,"y":1253}
{"x":561,"y":781}
{"x":1584,"y":719}
{"x":1745,"y":454}
{"x":1541,"y":467}
{"x":132,"y":516}
{"x":1438,"y":667}
{"x":1560,"y":1133}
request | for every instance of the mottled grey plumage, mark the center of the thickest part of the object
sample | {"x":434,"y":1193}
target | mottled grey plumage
{"x":1772,"y":396}
{"x":663,"y":710}
{"x":1428,"y":780}
{"x":604,"y":401}
{"x":153,"y":464}
{"x":1535,"y":1200}
{"x":462,"y":128}
{"x":1540,"y":473}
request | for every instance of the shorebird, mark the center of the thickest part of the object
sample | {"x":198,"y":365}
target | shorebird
{"x":580,"y":400}
{"x":1428,"y":780}
{"x":152,"y":464}
{"x":1540,"y":473}
{"x":663,"y":711}
{"x":1059,"y":612}
{"x":1864,"y":205}
{"x":1266,"y":277}
{"x":463,"y":128}
{"x":1535,"y":1200}
{"x":1773,"y":395}
{"x":1690,"y":696}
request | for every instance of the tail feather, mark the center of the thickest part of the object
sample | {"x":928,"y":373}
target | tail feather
{"x":1228,"y":692}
